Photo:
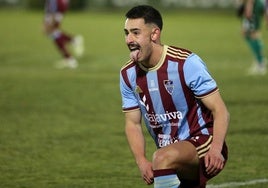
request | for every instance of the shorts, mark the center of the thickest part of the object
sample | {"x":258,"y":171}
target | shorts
{"x":250,"y":25}
{"x":253,"y":24}
{"x":202,"y":144}
{"x":54,"y":19}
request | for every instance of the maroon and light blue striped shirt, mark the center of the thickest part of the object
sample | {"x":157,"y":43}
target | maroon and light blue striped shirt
{"x":168,"y":95}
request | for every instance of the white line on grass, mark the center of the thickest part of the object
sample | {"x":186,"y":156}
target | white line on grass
{"x":237,"y":184}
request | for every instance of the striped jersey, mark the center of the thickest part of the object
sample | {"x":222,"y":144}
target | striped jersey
{"x":168,"y":95}
{"x":54,"y":6}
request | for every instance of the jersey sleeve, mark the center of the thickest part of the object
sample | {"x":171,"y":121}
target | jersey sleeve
{"x":129,"y":100}
{"x":197,"y":77}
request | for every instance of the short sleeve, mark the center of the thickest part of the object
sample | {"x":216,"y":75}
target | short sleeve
{"x":129,"y":100}
{"x":197,"y":77}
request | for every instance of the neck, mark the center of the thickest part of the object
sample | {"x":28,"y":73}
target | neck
{"x":155,"y":56}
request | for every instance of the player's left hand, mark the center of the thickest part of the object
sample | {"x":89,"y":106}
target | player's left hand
{"x":214,"y":161}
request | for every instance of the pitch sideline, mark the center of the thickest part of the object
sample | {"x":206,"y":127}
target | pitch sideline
{"x":237,"y":184}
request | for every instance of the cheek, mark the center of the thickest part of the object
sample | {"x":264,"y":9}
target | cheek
{"x":147,"y":44}
{"x":144,"y":42}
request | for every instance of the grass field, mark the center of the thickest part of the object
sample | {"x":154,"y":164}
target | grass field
{"x":65,"y":129}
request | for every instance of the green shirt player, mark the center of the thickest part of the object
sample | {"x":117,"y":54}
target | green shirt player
{"x":252,"y":14}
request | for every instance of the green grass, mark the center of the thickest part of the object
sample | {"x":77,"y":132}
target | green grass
{"x":64,"y":128}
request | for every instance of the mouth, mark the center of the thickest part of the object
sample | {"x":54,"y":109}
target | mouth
{"x":133,"y":47}
{"x":134,"y":51}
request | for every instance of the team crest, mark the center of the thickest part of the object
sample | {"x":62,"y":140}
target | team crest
{"x":169,"y":86}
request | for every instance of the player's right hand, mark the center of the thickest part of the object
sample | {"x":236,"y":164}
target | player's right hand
{"x":146,"y":171}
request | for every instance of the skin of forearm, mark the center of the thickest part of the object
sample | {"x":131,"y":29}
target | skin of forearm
{"x":136,"y":141}
{"x":221,"y":124}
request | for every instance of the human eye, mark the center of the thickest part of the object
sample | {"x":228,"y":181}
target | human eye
{"x":126,"y":32}
{"x":136,"y":32}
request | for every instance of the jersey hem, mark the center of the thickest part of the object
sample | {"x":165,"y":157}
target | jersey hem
{"x":208,"y":94}
{"x":130,"y":110}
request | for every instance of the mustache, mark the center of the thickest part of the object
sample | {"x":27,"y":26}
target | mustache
{"x":133,"y":46}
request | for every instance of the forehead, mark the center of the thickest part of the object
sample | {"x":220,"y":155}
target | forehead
{"x":134,"y":23}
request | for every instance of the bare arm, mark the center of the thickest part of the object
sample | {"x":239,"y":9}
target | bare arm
{"x":136,"y":142}
{"x":214,"y":160}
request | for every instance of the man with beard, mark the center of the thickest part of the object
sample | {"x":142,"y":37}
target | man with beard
{"x":180,"y":103}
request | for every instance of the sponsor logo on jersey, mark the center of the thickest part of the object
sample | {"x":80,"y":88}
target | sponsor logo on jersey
{"x":156,"y":119}
{"x":165,"y":140}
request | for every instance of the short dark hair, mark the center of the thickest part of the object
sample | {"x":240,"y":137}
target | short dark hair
{"x":148,"y":13}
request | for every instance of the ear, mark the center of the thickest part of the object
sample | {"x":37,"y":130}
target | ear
{"x":155,"y":34}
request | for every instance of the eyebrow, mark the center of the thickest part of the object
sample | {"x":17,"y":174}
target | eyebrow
{"x":132,"y":30}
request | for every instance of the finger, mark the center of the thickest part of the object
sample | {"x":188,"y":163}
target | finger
{"x":215,"y":167}
{"x":208,"y":164}
{"x":212,"y":167}
{"x":151,"y":181}
{"x":148,"y":181}
{"x":206,"y":161}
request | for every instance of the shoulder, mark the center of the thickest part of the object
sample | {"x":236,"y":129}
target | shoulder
{"x":129,"y":64}
{"x":178,"y":53}
{"x":194,"y":65}
{"x":128,"y":72}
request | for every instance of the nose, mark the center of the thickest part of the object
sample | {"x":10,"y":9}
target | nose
{"x":129,"y":39}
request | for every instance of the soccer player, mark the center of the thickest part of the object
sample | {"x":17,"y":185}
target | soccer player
{"x":252,"y":14}
{"x":180,"y":103}
{"x":54,"y":11}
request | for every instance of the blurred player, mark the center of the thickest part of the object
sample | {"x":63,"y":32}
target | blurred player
{"x":252,"y":14}
{"x":54,"y":10}
{"x":180,"y":103}
{"x":266,"y":12}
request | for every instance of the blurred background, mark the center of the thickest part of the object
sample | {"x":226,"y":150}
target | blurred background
{"x":93,"y":4}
